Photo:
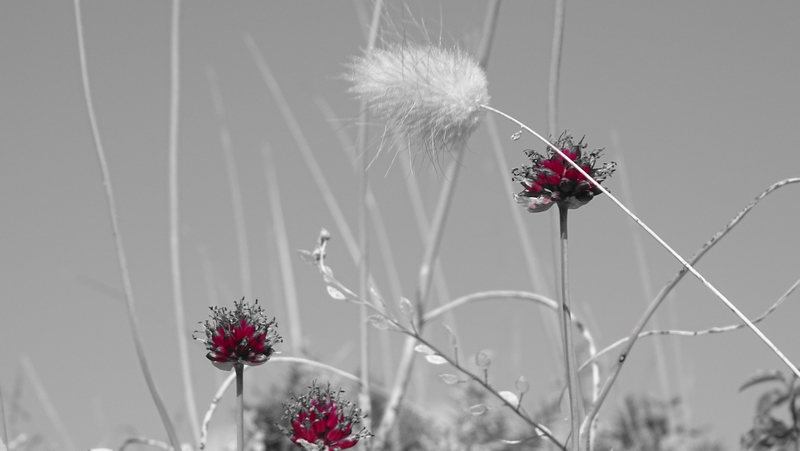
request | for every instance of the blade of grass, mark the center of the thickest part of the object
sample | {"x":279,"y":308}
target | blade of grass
{"x":644,"y":273}
{"x":432,"y":246}
{"x":669,"y":286}
{"x":384,"y":244}
{"x":695,"y":333}
{"x":123,"y":265}
{"x":47,"y":404}
{"x":537,"y":277}
{"x":284,"y":255}
{"x":363,"y":242}
{"x":3,"y":428}
{"x":174,"y":224}
{"x":233,"y":184}
{"x":660,"y":241}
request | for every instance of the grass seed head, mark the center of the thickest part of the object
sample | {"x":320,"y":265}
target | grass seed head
{"x":428,"y":96}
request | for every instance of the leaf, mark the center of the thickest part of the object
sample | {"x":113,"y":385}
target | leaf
{"x":383,"y":323}
{"x":516,"y":135}
{"x":511,"y":442}
{"x":478,"y":409}
{"x":336,"y":294}
{"x":763,"y":376}
{"x":483,"y":360}
{"x":449,"y":379}
{"x":424,"y":349}
{"x":406,"y":308}
{"x":770,"y":400}
{"x":436,"y":359}
{"x":522,"y":385}
{"x":510,"y":397}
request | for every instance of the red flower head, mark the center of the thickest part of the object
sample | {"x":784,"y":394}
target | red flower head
{"x":322,"y":421}
{"x":243,"y":335}
{"x":551,"y":180}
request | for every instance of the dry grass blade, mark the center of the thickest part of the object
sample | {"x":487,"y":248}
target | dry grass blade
{"x":47,"y":404}
{"x":174,"y":229}
{"x":668,"y":288}
{"x":284,"y":255}
{"x":123,"y":265}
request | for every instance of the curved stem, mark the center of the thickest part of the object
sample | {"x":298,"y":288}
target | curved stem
{"x":121,"y":260}
{"x":660,"y":241}
{"x":634,"y":335}
{"x":570,"y":363}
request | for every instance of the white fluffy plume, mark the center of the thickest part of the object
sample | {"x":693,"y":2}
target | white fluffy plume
{"x":426,"y":95}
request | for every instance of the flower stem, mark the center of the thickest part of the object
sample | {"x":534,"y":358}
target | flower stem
{"x":239,"y":368}
{"x":565,"y":313}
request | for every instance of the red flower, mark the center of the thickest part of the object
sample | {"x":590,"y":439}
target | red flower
{"x":552,"y":180}
{"x":322,"y":421}
{"x":243,"y":335}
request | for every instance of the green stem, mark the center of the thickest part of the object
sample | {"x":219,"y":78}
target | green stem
{"x":566,"y":330}
{"x":239,"y":368}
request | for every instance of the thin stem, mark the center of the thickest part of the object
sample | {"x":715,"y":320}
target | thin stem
{"x":363,"y":248}
{"x":3,"y":427}
{"x":123,"y":265}
{"x":660,"y":241}
{"x":634,"y":335}
{"x":565,"y":313}
{"x":484,"y":382}
{"x":424,"y":282}
{"x":47,"y":403}
{"x":239,"y":368}
{"x":174,"y":224}
{"x":537,"y":276}
{"x":432,"y":247}
{"x":284,"y":255}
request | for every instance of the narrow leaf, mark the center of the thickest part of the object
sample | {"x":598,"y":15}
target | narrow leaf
{"x":763,"y":376}
{"x":478,"y":409}
{"x":510,"y":397}
{"x":406,"y":308}
{"x":336,"y":294}
{"x":449,"y":379}
{"x":382,"y":323}
{"x":424,"y":349}
{"x":436,"y":359}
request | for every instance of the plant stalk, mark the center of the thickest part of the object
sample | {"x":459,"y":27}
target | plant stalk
{"x":121,"y":260}
{"x":565,"y":313}
{"x":239,"y":368}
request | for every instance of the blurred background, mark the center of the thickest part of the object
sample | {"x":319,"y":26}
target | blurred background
{"x":698,"y":102}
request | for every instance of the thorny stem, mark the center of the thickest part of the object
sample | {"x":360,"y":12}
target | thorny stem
{"x":666,"y":246}
{"x":565,"y":313}
{"x":239,"y":368}
{"x":123,"y":265}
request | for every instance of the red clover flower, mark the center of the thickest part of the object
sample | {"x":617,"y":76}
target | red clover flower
{"x":243,"y":335}
{"x":322,"y":421}
{"x":551,"y":180}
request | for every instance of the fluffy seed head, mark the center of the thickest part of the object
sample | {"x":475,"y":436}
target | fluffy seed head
{"x":427,"y":95}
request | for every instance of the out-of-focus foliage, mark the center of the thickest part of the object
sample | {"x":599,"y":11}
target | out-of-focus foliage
{"x":771,"y":433}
